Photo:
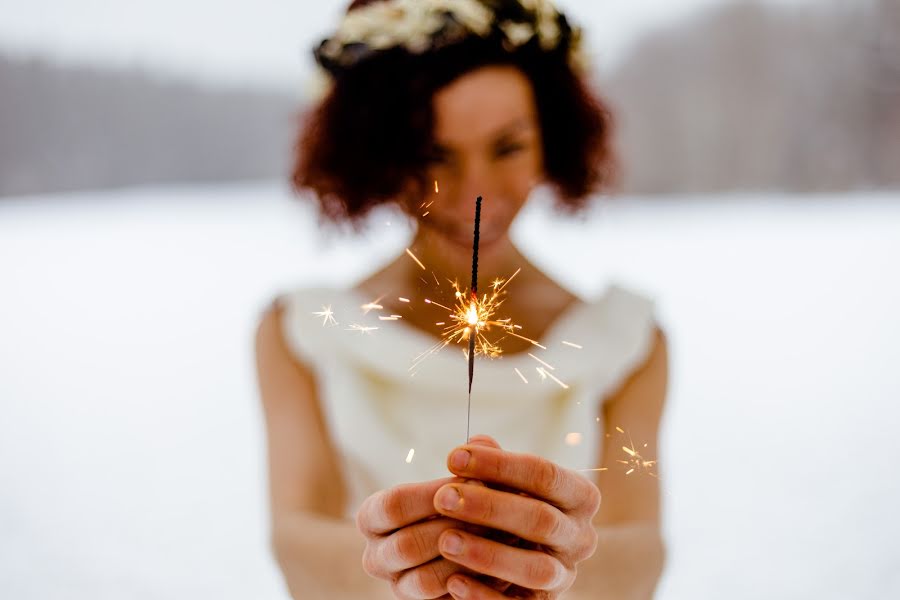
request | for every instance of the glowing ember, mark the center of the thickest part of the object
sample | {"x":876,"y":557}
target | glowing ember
{"x":413,"y":256}
{"x":327,"y":316}
{"x":633,"y":461}
{"x":570,"y":344}
{"x":520,"y":374}
{"x":542,"y":362}
{"x":361,"y":328}
{"x":373,"y":305}
{"x":545,"y":374}
{"x":636,"y":462}
{"x":409,"y":457}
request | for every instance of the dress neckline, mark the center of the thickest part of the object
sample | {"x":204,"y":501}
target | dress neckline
{"x":552,"y":333}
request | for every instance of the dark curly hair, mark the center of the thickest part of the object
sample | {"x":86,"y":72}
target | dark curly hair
{"x":370,"y":137}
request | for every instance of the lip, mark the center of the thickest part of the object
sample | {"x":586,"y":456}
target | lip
{"x":464,"y":236}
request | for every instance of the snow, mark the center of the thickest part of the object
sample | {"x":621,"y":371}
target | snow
{"x":132,"y":455}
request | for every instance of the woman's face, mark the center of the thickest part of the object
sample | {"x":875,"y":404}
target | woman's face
{"x":487,"y":142}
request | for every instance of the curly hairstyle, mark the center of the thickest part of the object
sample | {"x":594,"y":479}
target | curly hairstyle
{"x":369,"y":138}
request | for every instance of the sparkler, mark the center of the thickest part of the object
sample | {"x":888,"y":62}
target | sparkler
{"x":472,"y":313}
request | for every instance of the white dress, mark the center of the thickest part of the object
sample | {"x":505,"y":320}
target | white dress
{"x":391,"y":424}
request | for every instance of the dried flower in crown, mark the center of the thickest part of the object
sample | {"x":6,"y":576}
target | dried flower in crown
{"x":422,"y":25}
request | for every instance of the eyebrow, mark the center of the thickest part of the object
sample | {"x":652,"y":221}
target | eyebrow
{"x":502,"y":133}
{"x":514,"y":127}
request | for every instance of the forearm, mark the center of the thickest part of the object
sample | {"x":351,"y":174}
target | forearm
{"x":321,"y":559}
{"x":626,"y":566}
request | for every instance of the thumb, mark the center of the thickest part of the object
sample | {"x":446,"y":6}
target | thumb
{"x":484,"y":440}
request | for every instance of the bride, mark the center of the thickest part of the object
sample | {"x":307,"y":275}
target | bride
{"x":432,"y":103}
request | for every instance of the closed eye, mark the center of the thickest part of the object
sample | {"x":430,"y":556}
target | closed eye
{"x":509,"y":149}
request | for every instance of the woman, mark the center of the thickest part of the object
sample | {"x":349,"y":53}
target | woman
{"x":432,"y":103}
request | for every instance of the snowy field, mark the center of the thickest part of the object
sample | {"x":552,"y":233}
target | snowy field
{"x":131,"y":441}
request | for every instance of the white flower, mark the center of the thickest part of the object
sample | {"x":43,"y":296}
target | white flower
{"x":517,"y":33}
{"x":408,"y":23}
{"x":413,"y":23}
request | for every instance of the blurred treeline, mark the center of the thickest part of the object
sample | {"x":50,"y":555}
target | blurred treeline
{"x":748,"y":96}
{"x":81,"y":127}
{"x":757,"y":96}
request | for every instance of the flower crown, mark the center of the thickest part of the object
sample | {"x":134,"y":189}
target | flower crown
{"x":419,"y":26}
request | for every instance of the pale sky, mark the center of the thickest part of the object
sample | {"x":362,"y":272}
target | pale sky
{"x":259,"y":41}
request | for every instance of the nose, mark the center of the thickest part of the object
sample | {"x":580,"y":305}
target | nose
{"x":475,"y":179}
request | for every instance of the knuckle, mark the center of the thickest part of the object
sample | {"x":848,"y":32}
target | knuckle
{"x":543,"y":572}
{"x":363,"y":516}
{"x":432,"y":582}
{"x":485,"y":556}
{"x":423,"y":582}
{"x":547,"y":522}
{"x":591,"y":541}
{"x":370,"y":564}
{"x":547,"y":476}
{"x":593,"y":498}
{"x":488,"y":508}
{"x":410,"y":546}
{"x":397,"y":591}
{"x":493,"y":465}
{"x":393,"y":507}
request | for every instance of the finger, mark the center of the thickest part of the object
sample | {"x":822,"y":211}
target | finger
{"x":410,"y":546}
{"x":469,"y":588}
{"x":530,"y":569}
{"x":527,"y":518}
{"x":528,"y":473}
{"x":484,"y":440}
{"x":426,"y":581}
{"x":396,"y":507}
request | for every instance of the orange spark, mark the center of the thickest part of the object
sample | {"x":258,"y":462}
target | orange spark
{"x":413,"y":256}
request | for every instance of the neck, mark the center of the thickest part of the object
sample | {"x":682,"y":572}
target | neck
{"x":450,"y":261}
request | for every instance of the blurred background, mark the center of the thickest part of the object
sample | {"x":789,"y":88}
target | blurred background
{"x":146,"y":221}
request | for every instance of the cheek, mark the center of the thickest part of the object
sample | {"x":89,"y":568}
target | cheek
{"x":519,"y":176}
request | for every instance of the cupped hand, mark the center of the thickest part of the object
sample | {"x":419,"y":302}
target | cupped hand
{"x":402,"y":528}
{"x":538,"y":501}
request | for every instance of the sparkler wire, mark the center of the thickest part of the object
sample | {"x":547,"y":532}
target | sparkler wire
{"x":472,"y":335}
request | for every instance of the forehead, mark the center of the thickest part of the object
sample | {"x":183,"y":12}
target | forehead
{"x":482,"y":104}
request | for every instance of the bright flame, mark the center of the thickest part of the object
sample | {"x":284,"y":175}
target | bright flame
{"x":472,"y":315}
{"x":475,"y":316}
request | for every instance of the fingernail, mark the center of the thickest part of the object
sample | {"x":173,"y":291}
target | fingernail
{"x":450,"y":498}
{"x":459,"y":459}
{"x":457,"y":587}
{"x":451,"y":543}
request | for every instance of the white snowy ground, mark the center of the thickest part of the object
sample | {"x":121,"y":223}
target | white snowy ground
{"x":131,"y":444}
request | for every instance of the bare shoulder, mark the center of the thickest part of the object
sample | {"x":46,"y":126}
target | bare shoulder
{"x":648,"y":382}
{"x":303,"y":469}
{"x":270,"y":342}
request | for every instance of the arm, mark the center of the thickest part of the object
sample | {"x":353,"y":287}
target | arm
{"x":311,"y":540}
{"x":630,"y":553}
